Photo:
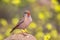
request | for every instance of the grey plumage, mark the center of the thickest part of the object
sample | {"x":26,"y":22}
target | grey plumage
{"x":24,"y":22}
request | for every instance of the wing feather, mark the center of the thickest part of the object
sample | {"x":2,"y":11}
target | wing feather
{"x":19,"y":23}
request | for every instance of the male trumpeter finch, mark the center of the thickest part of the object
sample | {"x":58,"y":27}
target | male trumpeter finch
{"x":24,"y":22}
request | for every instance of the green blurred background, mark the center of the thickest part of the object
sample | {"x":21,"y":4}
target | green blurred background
{"x":45,"y":14}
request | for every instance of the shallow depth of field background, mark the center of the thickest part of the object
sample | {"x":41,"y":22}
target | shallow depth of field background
{"x":45,"y":14}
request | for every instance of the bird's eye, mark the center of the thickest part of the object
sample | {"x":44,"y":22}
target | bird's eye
{"x":25,"y":13}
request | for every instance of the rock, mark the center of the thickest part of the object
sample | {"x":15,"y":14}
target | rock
{"x":20,"y":36}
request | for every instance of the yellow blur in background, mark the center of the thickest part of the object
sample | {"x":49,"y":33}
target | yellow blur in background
{"x":45,"y":14}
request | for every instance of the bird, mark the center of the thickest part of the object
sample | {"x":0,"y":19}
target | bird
{"x":24,"y":22}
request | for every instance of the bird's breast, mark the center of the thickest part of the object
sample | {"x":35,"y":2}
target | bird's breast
{"x":28,"y":21}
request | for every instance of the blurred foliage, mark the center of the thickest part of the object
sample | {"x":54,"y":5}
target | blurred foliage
{"x":14,"y":21}
{"x":32,"y":25}
{"x":49,"y":26}
{"x":3,"y":22}
{"x":41,"y":16}
{"x":7,"y":32}
{"x":16,"y":2}
{"x":47,"y":37}
{"x":1,"y":37}
{"x":45,"y":14}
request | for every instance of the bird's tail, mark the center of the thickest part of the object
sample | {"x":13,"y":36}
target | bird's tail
{"x":12,"y":29}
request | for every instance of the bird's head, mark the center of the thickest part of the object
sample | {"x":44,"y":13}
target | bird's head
{"x":27,"y":13}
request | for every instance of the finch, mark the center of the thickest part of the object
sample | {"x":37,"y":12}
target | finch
{"x":24,"y":22}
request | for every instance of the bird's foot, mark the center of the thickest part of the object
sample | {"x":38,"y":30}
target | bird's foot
{"x":25,"y":34}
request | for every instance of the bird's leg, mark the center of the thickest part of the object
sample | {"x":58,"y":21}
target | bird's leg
{"x":24,"y":32}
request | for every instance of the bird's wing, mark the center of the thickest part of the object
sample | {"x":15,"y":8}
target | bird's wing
{"x":20,"y":22}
